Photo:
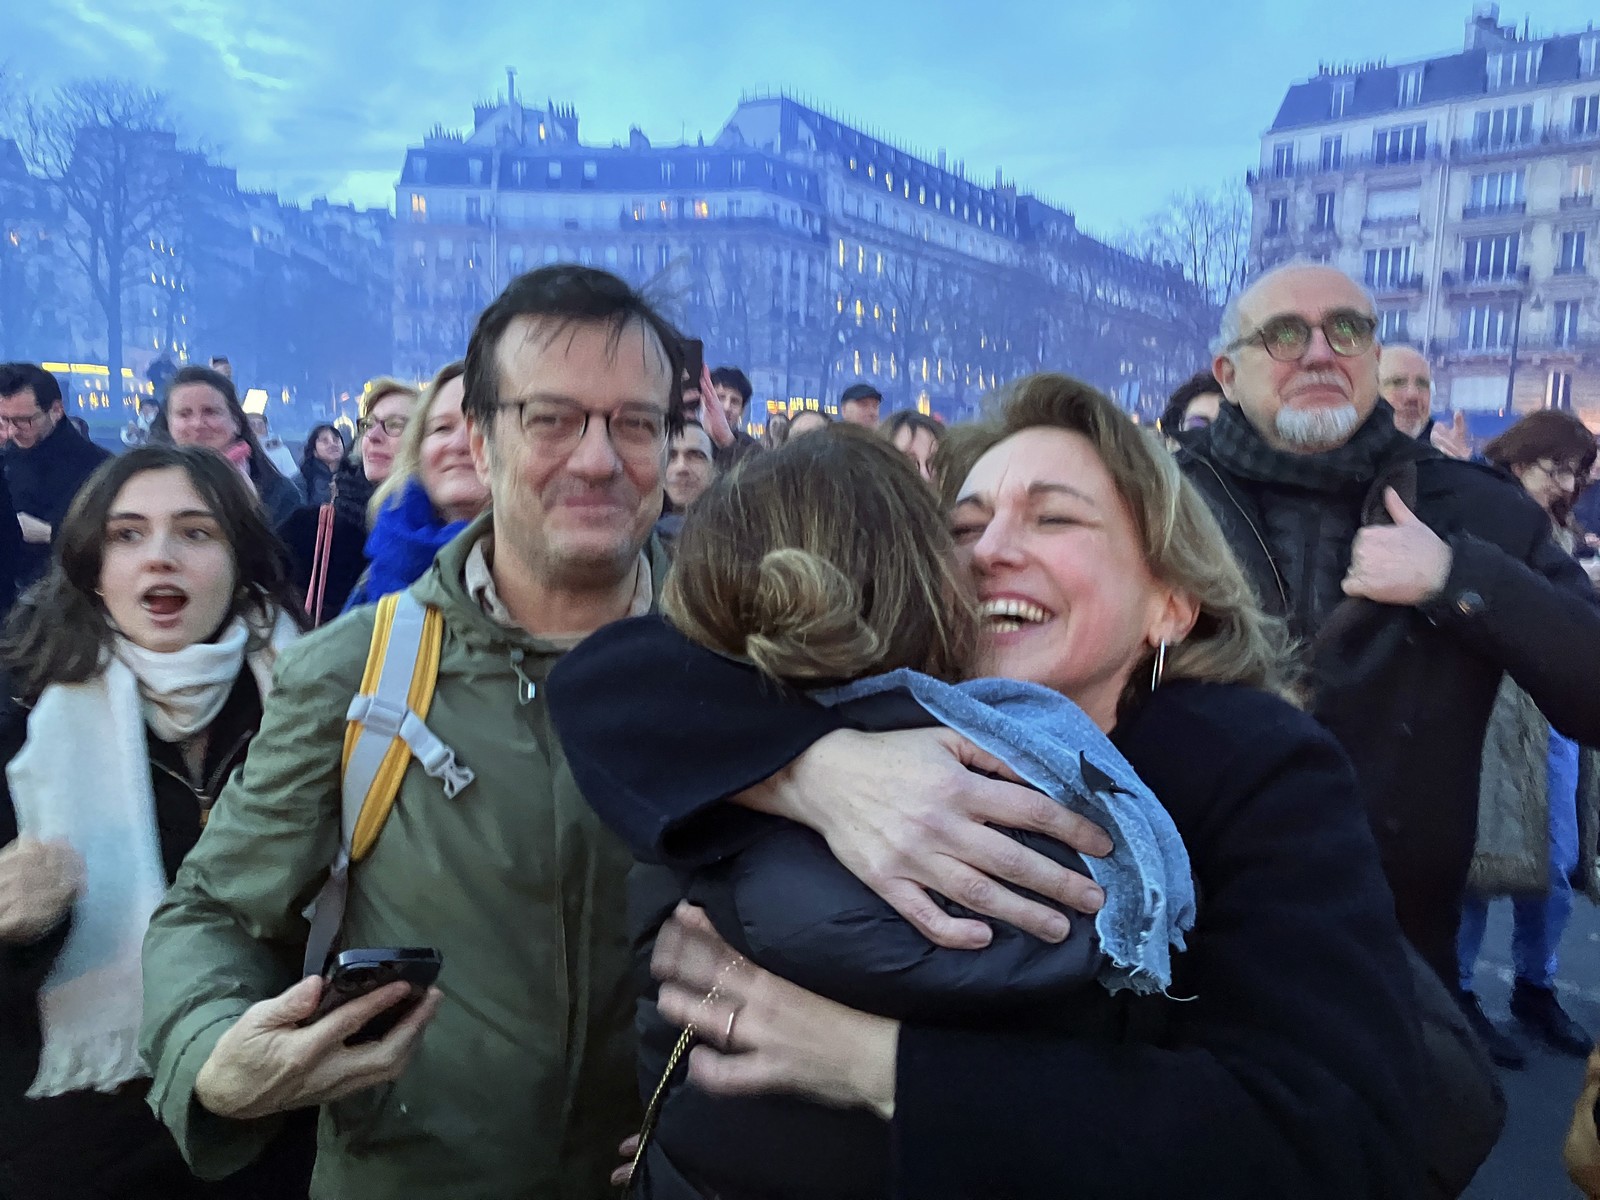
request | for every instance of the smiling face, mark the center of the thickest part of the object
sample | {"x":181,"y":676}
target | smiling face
{"x":447,"y":470}
{"x":378,"y":445}
{"x":1068,"y":599}
{"x":575,"y":515}
{"x":198,"y":415}
{"x":167,"y":574}
{"x":1317,"y":402}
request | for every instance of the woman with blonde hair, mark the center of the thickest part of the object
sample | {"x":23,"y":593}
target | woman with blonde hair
{"x":431,"y":493}
{"x":1283,"y":1061}
{"x":386,"y":407}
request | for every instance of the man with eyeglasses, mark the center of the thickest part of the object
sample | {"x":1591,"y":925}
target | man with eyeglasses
{"x":1413,"y":580}
{"x":47,"y":462}
{"x":519,"y":1079}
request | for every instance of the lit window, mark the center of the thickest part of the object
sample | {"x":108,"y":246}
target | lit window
{"x":860,"y":315}
{"x":888,"y":180}
{"x":664,"y":209}
{"x":841,"y":254}
{"x":541,"y":131}
{"x":861,"y":260}
{"x":872,"y":171}
{"x":922,"y":198}
{"x":880,"y":262}
{"x":702,"y":209}
{"x":419,"y":207}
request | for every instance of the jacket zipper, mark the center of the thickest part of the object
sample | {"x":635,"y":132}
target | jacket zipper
{"x":206,"y":796}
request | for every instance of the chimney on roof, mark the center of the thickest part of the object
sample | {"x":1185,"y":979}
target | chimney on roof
{"x":941,"y":160}
{"x":511,"y":86}
{"x":1484,"y":27}
{"x":999,"y":180}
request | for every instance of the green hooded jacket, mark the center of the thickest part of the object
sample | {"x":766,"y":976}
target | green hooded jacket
{"x":523,"y":1085}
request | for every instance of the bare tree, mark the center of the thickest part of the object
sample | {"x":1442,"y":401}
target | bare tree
{"x":108,"y":150}
{"x":1206,"y":235}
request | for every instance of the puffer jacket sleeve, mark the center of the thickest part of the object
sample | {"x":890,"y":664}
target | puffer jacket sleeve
{"x":1290,"y":1068}
{"x":1537,"y":616}
{"x":659,"y":732}
{"x":230,"y":931}
{"x":787,"y":904}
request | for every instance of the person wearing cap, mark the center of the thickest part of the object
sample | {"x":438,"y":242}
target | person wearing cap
{"x":860,"y":404}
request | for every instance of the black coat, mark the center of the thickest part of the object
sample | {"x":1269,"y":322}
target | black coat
{"x":11,"y":549}
{"x":1408,"y":691}
{"x":43,"y":481}
{"x":1287,"y":1065}
{"x":316,"y":480}
{"x":347,"y":559}
{"x":90,"y":1144}
{"x":788,"y":905}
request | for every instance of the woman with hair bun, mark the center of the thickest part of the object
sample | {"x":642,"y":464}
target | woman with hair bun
{"x":1282,"y":1061}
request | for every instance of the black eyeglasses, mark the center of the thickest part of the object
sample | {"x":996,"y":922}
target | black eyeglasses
{"x":393,"y":426}
{"x":556,"y":427}
{"x":1287,"y":338}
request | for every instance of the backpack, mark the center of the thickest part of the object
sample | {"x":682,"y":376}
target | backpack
{"x":387,"y":729}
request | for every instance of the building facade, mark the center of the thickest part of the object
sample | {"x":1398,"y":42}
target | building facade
{"x":1460,"y":189}
{"x":800,"y":248}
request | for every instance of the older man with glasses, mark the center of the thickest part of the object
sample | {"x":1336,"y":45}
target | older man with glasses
{"x":1413,"y":580}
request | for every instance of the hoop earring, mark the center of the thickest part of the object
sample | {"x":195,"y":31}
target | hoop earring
{"x":1160,"y":667}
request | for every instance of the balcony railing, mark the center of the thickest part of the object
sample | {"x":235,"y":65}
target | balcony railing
{"x":1486,"y":281}
{"x":1346,"y":163}
{"x":1512,"y":208}
{"x":1567,"y":270}
{"x":1460,"y":149}
{"x":1395,"y":284}
{"x":1571,"y":202}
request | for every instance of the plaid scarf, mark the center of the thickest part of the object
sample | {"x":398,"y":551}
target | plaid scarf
{"x":1235,"y":445}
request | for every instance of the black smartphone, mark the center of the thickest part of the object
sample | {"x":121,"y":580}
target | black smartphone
{"x":694,"y":360}
{"x":357,"y":973}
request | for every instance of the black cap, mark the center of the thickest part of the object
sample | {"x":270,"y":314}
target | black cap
{"x":861,"y":391}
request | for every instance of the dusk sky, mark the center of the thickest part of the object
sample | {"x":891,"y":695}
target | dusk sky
{"x":1105,"y":109}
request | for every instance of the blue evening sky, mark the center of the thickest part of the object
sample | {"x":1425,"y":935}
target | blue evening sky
{"x":1103,"y":108}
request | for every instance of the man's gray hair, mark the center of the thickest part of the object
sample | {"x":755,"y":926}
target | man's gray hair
{"x":1231,"y":330}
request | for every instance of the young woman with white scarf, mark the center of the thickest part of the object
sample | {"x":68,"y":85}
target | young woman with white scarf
{"x":136,"y":674}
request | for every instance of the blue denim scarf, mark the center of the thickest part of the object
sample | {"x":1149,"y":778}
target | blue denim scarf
{"x":1053,"y":745}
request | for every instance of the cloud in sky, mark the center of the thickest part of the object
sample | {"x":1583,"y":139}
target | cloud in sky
{"x":1104,"y":108}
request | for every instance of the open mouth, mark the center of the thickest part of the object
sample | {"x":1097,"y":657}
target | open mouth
{"x":164,"y":601}
{"x":1007,"y":614}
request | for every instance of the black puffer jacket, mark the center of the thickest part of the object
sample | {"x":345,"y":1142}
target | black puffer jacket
{"x":1408,"y":691}
{"x":785,"y":903}
{"x":85,"y":1144}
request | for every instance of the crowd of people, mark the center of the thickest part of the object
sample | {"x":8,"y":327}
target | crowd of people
{"x":852,"y":806}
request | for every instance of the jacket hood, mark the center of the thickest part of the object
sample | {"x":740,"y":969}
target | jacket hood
{"x":444,"y":586}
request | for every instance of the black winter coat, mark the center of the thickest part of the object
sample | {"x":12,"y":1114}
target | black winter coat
{"x":788,"y":905}
{"x":1408,"y":691}
{"x":43,"y":482}
{"x":91,"y":1144}
{"x":1286,"y":1067}
{"x":347,"y":559}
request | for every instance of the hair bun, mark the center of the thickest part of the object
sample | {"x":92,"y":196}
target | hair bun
{"x":805,"y":620}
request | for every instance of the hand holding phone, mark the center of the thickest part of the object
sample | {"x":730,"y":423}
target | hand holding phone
{"x":357,"y":973}
{"x":279,"y":1055}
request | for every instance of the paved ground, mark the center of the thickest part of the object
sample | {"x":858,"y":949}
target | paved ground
{"x":1527,"y":1163}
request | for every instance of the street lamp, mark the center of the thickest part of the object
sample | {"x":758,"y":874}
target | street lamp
{"x":1537,"y":305}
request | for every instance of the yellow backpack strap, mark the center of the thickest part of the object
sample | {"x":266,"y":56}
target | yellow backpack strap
{"x":387,"y":728}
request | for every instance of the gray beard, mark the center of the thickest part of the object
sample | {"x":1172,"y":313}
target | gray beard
{"x":1318,"y":429}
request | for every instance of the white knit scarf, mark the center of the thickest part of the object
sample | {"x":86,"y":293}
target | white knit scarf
{"x":98,"y":797}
